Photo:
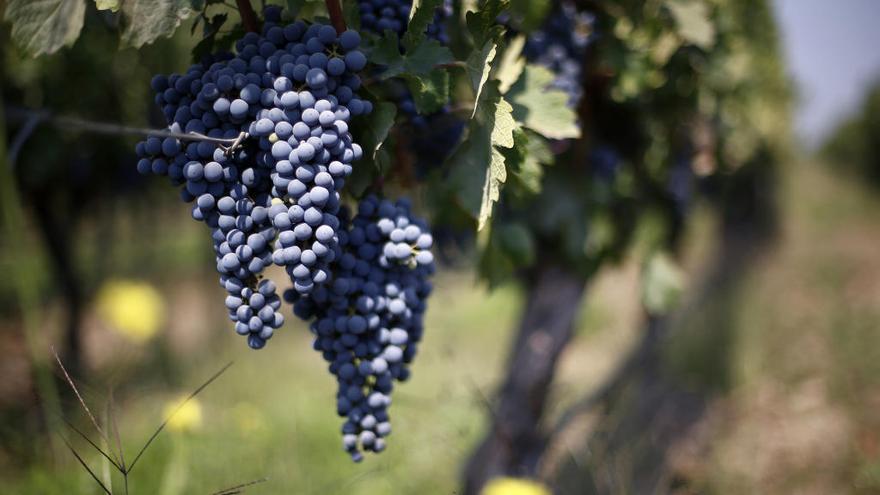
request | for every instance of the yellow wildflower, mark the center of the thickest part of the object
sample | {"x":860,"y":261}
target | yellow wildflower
{"x":135,"y":309}
{"x":187,"y":418}
{"x":514,"y":486}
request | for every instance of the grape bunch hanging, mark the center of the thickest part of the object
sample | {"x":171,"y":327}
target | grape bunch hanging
{"x":265,"y":176}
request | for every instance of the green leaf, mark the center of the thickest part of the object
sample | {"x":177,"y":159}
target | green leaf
{"x":515,"y":239}
{"x":148,"y":20}
{"x":662,"y":284}
{"x":386,"y":52}
{"x":487,"y":35}
{"x":422,"y":15}
{"x":372,"y":132}
{"x":420,"y":61}
{"x":541,"y":109}
{"x":503,"y":248}
{"x":527,"y":158}
{"x":429,"y":93}
{"x":482,"y":24}
{"x":531,"y":12}
{"x":209,"y":35}
{"x":111,"y":5}
{"x":478,"y":65}
{"x":512,"y":63}
{"x":496,"y":175}
{"x":503,"y":123}
{"x":694,"y":23}
{"x":478,"y":167}
{"x":375,"y":129}
{"x":468,"y":166}
{"x":44,"y":26}
{"x":426,"y":56}
{"x":350,"y":14}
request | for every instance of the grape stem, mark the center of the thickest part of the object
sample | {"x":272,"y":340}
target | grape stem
{"x":248,"y":16}
{"x":33,"y":117}
{"x":334,"y":8}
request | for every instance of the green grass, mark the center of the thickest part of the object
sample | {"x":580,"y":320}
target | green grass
{"x":798,"y":386}
{"x":271,"y":415}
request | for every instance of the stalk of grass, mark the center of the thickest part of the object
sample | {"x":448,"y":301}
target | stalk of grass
{"x":118,"y":458}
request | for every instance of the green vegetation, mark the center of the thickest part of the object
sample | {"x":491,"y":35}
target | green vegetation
{"x":855,"y":144}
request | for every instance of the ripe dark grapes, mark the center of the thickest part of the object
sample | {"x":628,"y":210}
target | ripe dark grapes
{"x":293,"y":90}
{"x":378,"y":16}
{"x":560,"y":45}
{"x":286,"y":98}
{"x":368,"y":322}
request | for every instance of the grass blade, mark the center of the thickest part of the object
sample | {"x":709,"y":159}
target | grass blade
{"x":93,"y":444}
{"x":114,"y":428}
{"x":78,"y":396}
{"x":165,"y":422}
{"x":232,"y":490}
{"x":86,"y":466}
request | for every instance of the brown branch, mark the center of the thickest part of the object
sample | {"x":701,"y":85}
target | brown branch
{"x":334,"y":8}
{"x":248,"y":16}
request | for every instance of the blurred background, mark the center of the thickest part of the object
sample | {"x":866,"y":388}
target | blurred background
{"x":762,"y":377}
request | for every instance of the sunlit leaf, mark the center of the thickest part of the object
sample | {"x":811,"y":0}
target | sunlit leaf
{"x":146,"y":21}
{"x":44,"y":26}
{"x":540,"y":108}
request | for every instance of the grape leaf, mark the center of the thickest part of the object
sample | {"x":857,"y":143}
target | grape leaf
{"x":209,"y":35}
{"x":525,"y":160}
{"x":350,"y":14}
{"x":44,"y":26}
{"x":420,"y":61}
{"x":487,"y":35}
{"x":496,"y":174}
{"x":482,"y":24}
{"x":530,"y":12}
{"x":512,"y":63}
{"x":386,"y":52}
{"x":146,"y":21}
{"x":516,"y":240}
{"x":503,"y":123}
{"x":373,"y":132}
{"x":425,"y":56}
{"x":543,"y":110}
{"x":694,"y":24}
{"x":478,"y":66}
{"x":111,"y":5}
{"x":430,"y":93}
{"x":478,"y":156}
{"x":422,"y":15}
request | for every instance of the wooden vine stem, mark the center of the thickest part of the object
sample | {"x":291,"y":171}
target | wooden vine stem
{"x":334,"y":8}
{"x":248,"y":16}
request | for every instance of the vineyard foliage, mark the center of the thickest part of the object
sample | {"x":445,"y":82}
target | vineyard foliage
{"x":672,"y":91}
{"x":530,"y":134}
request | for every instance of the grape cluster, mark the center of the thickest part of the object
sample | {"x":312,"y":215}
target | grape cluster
{"x":560,"y":45}
{"x":437,"y":29}
{"x":274,"y":197}
{"x":378,"y":16}
{"x":368,"y":322}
